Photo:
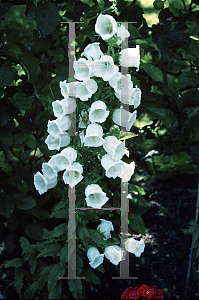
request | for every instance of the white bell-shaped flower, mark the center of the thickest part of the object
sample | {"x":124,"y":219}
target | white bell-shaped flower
{"x":130,"y":57}
{"x":72,"y":175}
{"x":124,"y":118}
{"x":86,"y":89}
{"x":105,"y":26}
{"x":56,"y":143}
{"x":48,"y":171}
{"x":134,"y":246}
{"x":42,"y":184}
{"x":126,"y":174}
{"x":115,"y":254}
{"x":94,"y":257}
{"x":63,"y":107}
{"x":66,"y":157}
{"x":83,"y":69}
{"x":54,"y":161}
{"x":114,"y":147}
{"x":98,"y":112}
{"x":93,"y":137}
{"x":122,"y":34}
{"x":92,"y":51}
{"x":123,"y":87}
{"x":67,"y":89}
{"x":135,"y":97}
{"x":105,"y":68}
{"x":113,"y":168}
{"x":95,"y":197}
{"x":106,"y":227}
{"x":83,"y":119}
{"x":59,"y":126}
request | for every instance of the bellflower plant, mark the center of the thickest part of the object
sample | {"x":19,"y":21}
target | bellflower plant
{"x":93,"y":155}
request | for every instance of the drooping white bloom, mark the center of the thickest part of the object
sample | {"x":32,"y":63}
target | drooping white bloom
{"x":95,"y":197}
{"x":124,"y":118}
{"x":105,"y":26}
{"x":98,"y":112}
{"x":114,"y":147}
{"x":42,"y":184}
{"x":135,"y":97}
{"x":83,"y":69}
{"x":105,"y":67}
{"x":130,"y":57}
{"x":93,"y":137}
{"x":134,"y":246}
{"x":107,"y":227}
{"x":66,"y":157}
{"x":56,"y":143}
{"x":54,"y":161}
{"x":113,"y":168}
{"x":92,"y":51}
{"x":127,"y":172}
{"x":94,"y":257}
{"x":59,"y":126}
{"x":115,"y":254}
{"x":72,"y":175}
{"x":83,"y":119}
{"x":86,"y":89}
{"x":122,"y":33}
{"x":48,"y":171}
{"x":63,"y":107}
{"x":122,"y":86}
{"x":67,"y":89}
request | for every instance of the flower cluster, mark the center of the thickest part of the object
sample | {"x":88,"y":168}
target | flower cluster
{"x":143,"y":292}
{"x":113,"y":253}
{"x":91,"y":70}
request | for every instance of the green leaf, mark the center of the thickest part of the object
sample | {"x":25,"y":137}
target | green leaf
{"x":33,"y":263}
{"x":7,"y":75}
{"x":96,"y":236}
{"x":79,"y":263}
{"x":57,"y":231}
{"x":75,"y":287}
{"x":56,"y":272}
{"x":21,"y":101}
{"x":29,"y":292}
{"x":136,"y":222}
{"x":25,"y":245}
{"x":18,"y":280}
{"x":90,"y":276}
{"x":31,"y":66}
{"x":6,"y":139}
{"x":31,"y":141}
{"x":100,"y":269}
{"x":34,"y":231}
{"x":52,"y":250}
{"x":61,"y":213}
{"x":136,"y":189}
{"x":24,"y":202}
{"x":175,"y":11}
{"x":55,"y":292}
{"x":6,"y":205}
{"x":64,"y":255}
{"x":16,"y":262}
{"x":83,"y":234}
{"x":154,"y":72}
{"x":89,"y":2}
{"x":46,"y":16}
{"x":188,"y":79}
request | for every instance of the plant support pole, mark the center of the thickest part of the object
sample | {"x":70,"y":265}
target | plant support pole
{"x":191,"y":251}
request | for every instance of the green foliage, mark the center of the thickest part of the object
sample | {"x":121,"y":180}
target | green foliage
{"x":34,"y":58}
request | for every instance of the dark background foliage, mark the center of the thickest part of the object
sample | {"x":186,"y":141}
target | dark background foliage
{"x":33,"y":60}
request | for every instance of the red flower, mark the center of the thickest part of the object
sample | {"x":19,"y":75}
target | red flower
{"x":143,"y":292}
